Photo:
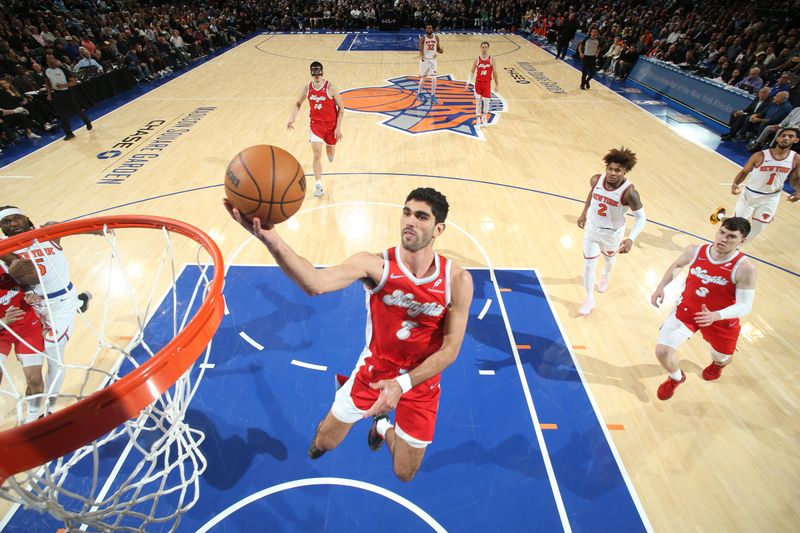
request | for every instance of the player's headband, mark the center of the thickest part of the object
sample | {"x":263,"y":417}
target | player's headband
{"x":10,"y":211}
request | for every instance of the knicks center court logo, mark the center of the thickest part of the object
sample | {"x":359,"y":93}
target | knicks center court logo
{"x":453,"y":112}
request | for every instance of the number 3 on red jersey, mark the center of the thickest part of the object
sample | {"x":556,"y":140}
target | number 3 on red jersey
{"x":405,"y":330}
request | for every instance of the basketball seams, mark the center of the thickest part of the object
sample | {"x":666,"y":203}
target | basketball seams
{"x":252,"y":177}
{"x":243,"y":197}
{"x":299,"y":171}
{"x":272,"y":183}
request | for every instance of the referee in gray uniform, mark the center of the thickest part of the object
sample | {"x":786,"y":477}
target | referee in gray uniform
{"x":587,"y":49}
{"x":59,"y":89}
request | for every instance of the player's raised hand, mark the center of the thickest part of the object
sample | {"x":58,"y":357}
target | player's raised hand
{"x":24,"y":272}
{"x":253,"y":226}
{"x":657,"y":298}
{"x":388,"y":398}
{"x":705,"y":317}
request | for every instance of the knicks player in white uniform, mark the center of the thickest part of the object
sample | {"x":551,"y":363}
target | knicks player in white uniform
{"x":415,"y":309}
{"x":429,"y":47}
{"x":59,"y":300}
{"x":609,"y":199}
{"x":768,"y":170}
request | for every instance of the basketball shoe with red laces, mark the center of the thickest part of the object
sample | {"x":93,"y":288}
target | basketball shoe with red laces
{"x":667,"y":389}
{"x":712,"y":371}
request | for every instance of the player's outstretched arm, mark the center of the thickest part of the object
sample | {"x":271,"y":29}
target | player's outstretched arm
{"x":454,"y":328}
{"x":313,"y":281}
{"x":657,"y":298}
{"x":755,"y":160}
{"x":297,"y":105}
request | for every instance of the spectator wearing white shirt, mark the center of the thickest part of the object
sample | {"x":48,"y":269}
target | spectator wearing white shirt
{"x":87,"y":61}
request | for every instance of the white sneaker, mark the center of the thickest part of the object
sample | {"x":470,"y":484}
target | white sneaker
{"x":318,"y":190}
{"x":602,"y":286}
{"x":478,"y":122}
{"x":586,"y":307}
{"x":32,"y":136}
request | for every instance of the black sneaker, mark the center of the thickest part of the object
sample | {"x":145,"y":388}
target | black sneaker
{"x":314,"y":452}
{"x":89,"y":127}
{"x":69,"y":136}
{"x":84,"y":297}
{"x":374,"y":438}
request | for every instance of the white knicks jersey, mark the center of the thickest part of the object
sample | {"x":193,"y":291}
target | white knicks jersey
{"x":606,"y":210}
{"x":769,"y":176}
{"x":52,"y":265}
{"x":429,"y":46}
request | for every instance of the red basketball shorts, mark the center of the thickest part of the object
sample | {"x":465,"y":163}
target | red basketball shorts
{"x":415,"y":414}
{"x":32,"y":343}
{"x":722,"y":335}
{"x":483,"y":88}
{"x":323,"y":132}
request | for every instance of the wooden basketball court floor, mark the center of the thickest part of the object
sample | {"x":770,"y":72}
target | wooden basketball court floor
{"x":720,"y":456}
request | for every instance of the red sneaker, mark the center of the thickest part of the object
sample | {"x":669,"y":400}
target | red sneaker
{"x":712,"y":371}
{"x":667,"y":389}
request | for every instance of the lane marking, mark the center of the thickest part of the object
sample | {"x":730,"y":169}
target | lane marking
{"x":505,"y":290}
{"x":523,"y":346}
{"x":249,"y":340}
{"x":311,"y":366}
{"x":485,"y":309}
{"x":16,"y":177}
{"x":486,"y":372}
{"x":311,"y":482}
{"x":548,"y":426}
{"x":615,"y":427}
{"x":207,"y":365}
{"x":578,"y":347}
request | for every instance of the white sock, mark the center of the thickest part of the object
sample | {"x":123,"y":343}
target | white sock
{"x":383,"y":426}
{"x":720,"y":358}
{"x":756,"y":227}
{"x":609,"y":263}
{"x":589,"y":276}
{"x":478,"y":108}
{"x":485,"y":106}
{"x":54,"y":376}
{"x":433,"y":85}
{"x":677,"y":376}
{"x":419,"y":87}
{"x":33,"y":409}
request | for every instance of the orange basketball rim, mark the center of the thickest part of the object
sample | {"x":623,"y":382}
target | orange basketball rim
{"x":30,"y":445}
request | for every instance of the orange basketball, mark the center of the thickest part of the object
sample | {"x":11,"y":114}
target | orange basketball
{"x":379,"y":99}
{"x":266,"y":182}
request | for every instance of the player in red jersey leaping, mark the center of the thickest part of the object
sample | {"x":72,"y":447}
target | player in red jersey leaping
{"x":326,"y":113}
{"x":719,"y":289}
{"x":418,"y":307}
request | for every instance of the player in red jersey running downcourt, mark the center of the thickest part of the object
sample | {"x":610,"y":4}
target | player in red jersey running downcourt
{"x":765,"y":173}
{"x":326,"y":113}
{"x":718,"y":291}
{"x":418,"y":308}
{"x":486,"y":68}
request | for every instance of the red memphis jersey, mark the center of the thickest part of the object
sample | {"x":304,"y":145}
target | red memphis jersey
{"x":709,"y":282}
{"x":323,"y":108}
{"x":406,"y":315}
{"x":11,"y":294}
{"x":484,"y":72}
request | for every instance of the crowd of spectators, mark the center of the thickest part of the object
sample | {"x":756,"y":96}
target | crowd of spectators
{"x":733,"y":41}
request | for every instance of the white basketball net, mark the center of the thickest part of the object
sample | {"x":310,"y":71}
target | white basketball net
{"x":155,"y":459}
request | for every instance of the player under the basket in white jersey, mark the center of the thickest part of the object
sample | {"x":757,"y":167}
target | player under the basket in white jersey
{"x":603,"y":219}
{"x":429,"y":47}
{"x":60,"y":301}
{"x":764,"y":175}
